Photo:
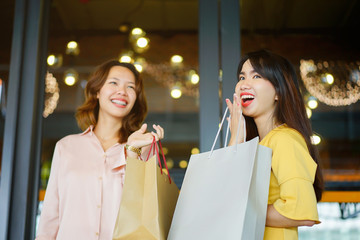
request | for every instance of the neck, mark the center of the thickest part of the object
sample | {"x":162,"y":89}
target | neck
{"x":107,"y":129}
{"x":265,"y":125}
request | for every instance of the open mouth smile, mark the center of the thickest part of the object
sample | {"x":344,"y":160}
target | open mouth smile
{"x":246,"y":99}
{"x":119,"y":102}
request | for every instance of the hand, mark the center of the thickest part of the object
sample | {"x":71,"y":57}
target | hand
{"x":141,"y":138}
{"x":236,"y":116}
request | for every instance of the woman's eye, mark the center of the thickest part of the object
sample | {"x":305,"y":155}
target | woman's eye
{"x":257,"y":76}
{"x":132,"y":87}
{"x":112,"y":82}
{"x":241,"y":78}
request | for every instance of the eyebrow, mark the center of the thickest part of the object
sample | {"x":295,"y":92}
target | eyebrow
{"x":252,"y":71}
{"x":115,"y":78}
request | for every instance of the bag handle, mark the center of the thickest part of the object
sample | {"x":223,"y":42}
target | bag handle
{"x":155,"y":149}
{"x":227,"y":130}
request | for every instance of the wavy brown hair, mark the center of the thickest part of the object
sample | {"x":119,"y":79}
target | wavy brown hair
{"x":290,"y":107}
{"x":87,"y":113}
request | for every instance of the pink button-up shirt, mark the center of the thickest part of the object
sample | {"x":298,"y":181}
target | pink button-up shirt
{"x":84,"y":190}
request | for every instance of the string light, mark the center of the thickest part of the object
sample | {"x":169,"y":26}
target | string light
{"x":342,"y":86}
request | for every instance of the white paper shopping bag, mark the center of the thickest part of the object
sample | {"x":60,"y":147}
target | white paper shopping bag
{"x":224,"y":194}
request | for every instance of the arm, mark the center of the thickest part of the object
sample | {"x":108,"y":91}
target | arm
{"x":275,"y":219}
{"x":49,"y":220}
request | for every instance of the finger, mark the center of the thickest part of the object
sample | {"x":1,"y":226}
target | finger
{"x":158,"y":131}
{"x":156,"y":136}
{"x":237,"y":100}
{"x":143,"y":128}
{"x":162,"y":132}
{"x":229,"y":104}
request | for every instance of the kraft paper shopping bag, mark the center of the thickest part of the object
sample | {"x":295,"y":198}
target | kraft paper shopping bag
{"x":224,"y":194}
{"x":148,"y":202}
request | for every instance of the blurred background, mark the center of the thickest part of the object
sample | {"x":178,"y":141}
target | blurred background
{"x":161,"y":37}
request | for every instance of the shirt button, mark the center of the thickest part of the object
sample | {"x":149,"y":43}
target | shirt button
{"x":100,"y":178}
{"x":97,"y":234}
{"x":99,"y":206}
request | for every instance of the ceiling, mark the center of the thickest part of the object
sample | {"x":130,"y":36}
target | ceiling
{"x":182,"y":15}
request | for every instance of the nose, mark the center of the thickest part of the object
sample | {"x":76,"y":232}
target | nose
{"x":121,"y":89}
{"x":243,"y":84}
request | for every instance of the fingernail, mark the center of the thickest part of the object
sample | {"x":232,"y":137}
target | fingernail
{"x":238,"y":104}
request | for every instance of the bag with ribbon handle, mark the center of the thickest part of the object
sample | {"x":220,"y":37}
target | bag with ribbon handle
{"x":148,"y":199}
{"x":224,"y":193}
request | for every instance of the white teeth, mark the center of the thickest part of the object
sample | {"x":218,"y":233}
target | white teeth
{"x":119,"y":102}
{"x":247,"y":97}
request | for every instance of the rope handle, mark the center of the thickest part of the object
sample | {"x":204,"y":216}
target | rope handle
{"x":155,"y":149}
{"x":227,"y":130}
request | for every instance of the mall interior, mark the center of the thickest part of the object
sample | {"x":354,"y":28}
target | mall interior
{"x":187,"y":52}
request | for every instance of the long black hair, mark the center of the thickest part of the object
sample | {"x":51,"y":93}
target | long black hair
{"x":290,"y":107}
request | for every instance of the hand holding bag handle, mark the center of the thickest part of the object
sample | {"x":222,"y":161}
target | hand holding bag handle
{"x":227,"y":131}
{"x":155,"y":149}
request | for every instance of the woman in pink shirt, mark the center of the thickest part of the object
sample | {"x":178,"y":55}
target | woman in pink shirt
{"x":88,"y":169}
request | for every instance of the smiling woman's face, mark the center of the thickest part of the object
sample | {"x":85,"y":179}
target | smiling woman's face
{"x":257,"y":94}
{"x":117,"y":96}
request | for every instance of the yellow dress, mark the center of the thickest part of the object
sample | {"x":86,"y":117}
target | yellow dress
{"x":291,"y":182}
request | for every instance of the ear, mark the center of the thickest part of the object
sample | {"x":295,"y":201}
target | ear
{"x":97,"y":95}
{"x":276,"y":98}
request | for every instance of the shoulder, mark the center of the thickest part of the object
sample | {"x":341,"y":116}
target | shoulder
{"x":284,"y":136}
{"x":72,"y":140}
{"x":291,"y":157}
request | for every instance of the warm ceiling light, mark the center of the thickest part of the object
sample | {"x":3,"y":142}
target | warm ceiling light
{"x":72,"y":45}
{"x":195,"y":150}
{"x":70,"y":80}
{"x":165,"y":150}
{"x":72,"y":48}
{"x":329,"y":78}
{"x":137,"y":31}
{"x":124,"y":27}
{"x":70,"y":77}
{"x":138,"y":67}
{"x":176,"y":59}
{"x":176,"y":92}
{"x":312,"y":104}
{"x":54,"y":60}
{"x":170,"y":163}
{"x":308,"y":112}
{"x":126,"y":59}
{"x":51,"y":60}
{"x":194,"y":78}
{"x":183,"y":164}
{"x":315,"y":139}
{"x":142,"y":42}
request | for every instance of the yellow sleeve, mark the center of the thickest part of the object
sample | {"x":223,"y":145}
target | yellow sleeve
{"x":297,"y":200}
{"x":291,"y":158}
{"x":294,"y":169}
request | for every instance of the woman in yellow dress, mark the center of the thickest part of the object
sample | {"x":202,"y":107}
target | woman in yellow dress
{"x":268,"y":95}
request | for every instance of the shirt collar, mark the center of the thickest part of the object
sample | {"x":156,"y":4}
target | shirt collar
{"x":88,"y":130}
